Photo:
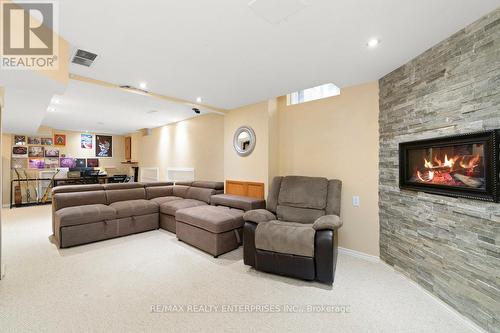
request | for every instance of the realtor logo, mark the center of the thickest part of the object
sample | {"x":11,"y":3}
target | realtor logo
{"x":28,"y":35}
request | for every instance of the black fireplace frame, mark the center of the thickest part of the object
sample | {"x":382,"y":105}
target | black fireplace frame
{"x":491,"y":141}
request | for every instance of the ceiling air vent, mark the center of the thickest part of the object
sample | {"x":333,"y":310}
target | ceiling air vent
{"x":84,"y":58}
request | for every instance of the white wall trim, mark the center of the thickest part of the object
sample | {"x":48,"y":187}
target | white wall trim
{"x":466,"y":321}
{"x":6,"y":206}
{"x":360,"y":255}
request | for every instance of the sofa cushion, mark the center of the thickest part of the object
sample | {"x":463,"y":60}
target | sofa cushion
{"x":180,"y":191}
{"x":211,"y":218}
{"x":237,"y":201}
{"x":208,"y":184}
{"x":84,"y":214}
{"x":303,"y":192}
{"x":122,"y":186}
{"x":159,"y":191}
{"x":301,"y":215}
{"x":63,"y":200}
{"x":77,"y":188}
{"x":198,"y":193}
{"x":154,"y":184}
{"x":134,"y":208}
{"x":162,"y":200}
{"x":285,"y":237}
{"x":124,"y":195}
{"x":172,"y":207}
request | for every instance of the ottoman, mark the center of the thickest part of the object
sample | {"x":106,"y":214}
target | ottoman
{"x":213,"y":229}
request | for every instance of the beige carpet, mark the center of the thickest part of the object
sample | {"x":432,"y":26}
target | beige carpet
{"x":112,"y":285}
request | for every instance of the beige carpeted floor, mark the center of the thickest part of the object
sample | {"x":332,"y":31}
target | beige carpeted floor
{"x":112,"y":286}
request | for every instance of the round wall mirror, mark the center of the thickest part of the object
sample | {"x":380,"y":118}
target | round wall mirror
{"x":244,"y":141}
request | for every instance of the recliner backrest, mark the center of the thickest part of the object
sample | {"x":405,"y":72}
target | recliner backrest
{"x":304,"y":199}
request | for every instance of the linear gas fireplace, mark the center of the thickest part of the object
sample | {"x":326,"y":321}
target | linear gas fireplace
{"x":459,"y":166}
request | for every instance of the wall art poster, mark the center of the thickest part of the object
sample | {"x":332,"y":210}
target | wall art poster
{"x":47,"y":141}
{"x":60,"y":139}
{"x":51,"y":152}
{"x":18,"y":151}
{"x":34,"y":140}
{"x":19,"y":140}
{"x":103,"y":146}
{"x":67,"y":162}
{"x":37,"y":163}
{"x":19,"y":163}
{"x":86,"y":141}
{"x":92,"y":162}
{"x":51,"y":163}
{"x":35,"y":151}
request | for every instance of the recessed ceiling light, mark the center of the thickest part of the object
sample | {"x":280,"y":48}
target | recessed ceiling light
{"x":198,"y":99}
{"x":57,"y":101}
{"x":143,"y":85}
{"x":374,"y":42}
{"x":51,"y":109}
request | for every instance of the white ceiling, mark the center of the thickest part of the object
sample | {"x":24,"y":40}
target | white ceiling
{"x":233,"y":54}
{"x":93,"y":108}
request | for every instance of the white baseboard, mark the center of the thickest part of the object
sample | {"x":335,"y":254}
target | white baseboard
{"x":466,"y":321}
{"x":2,"y":271}
{"x":360,"y":255}
{"x":5,"y":206}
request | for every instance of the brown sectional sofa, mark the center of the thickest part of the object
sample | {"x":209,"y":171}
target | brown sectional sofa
{"x":89,"y":213}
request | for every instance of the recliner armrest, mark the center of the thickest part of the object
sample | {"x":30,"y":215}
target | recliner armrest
{"x":327,"y":222}
{"x":259,"y":216}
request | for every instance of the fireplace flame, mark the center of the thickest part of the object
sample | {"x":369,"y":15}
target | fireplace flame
{"x":449,"y":171}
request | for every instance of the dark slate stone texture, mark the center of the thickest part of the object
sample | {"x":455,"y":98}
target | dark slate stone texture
{"x":451,"y":247}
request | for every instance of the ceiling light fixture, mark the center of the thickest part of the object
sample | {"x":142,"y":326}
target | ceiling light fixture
{"x":198,"y":99}
{"x":57,"y":101}
{"x":51,"y":109}
{"x":374,"y":42}
{"x":143,"y":85}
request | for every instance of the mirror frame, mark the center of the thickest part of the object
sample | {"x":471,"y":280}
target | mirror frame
{"x":253,"y":141}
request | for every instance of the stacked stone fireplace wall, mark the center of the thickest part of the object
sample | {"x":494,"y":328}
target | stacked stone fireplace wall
{"x":450,"y":246}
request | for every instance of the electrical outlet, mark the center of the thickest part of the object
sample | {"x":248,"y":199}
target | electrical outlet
{"x":355,"y":201}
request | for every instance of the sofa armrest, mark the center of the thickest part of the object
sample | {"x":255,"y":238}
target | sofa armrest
{"x":327,"y":222}
{"x":259,"y":216}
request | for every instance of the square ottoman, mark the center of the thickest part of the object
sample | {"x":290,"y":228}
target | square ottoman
{"x":213,"y":229}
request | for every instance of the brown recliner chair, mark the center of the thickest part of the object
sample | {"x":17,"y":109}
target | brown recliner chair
{"x":296,"y":235}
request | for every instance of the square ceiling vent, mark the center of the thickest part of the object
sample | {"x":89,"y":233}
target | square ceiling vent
{"x":277,"y":11}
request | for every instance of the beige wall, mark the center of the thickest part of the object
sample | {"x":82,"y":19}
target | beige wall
{"x":195,"y":143}
{"x":259,"y":165}
{"x":337,"y":137}
{"x":72,"y":149}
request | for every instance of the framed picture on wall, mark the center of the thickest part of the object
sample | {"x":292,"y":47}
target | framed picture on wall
{"x":34,"y":140}
{"x":80,"y":163}
{"x":60,"y":139}
{"x":19,"y":163}
{"x":35,"y":151}
{"x":19,"y":140}
{"x":47,"y":141}
{"x":18,"y":151}
{"x":67,"y":162}
{"x":92,"y":162}
{"x":51,"y":163}
{"x":36,"y":163}
{"x":103,"y":146}
{"x":86,"y":141}
{"x":51,"y":152}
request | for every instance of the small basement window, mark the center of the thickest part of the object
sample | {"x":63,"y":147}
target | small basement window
{"x":312,"y":94}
